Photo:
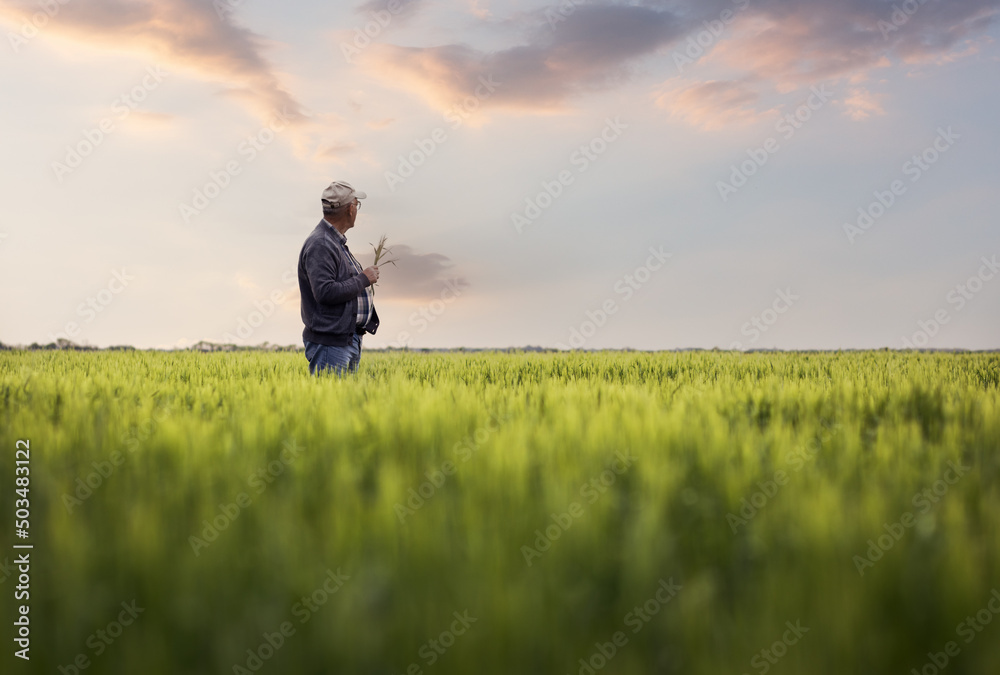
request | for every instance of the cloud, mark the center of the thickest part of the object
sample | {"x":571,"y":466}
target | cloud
{"x":798,"y":42}
{"x":477,"y":9}
{"x":568,"y":49}
{"x":861,"y":104}
{"x":417,"y":276}
{"x":184,"y":34}
{"x":245,"y":282}
{"x":152,"y":119}
{"x":587,"y":50}
{"x":336,"y":151}
{"x":400,"y":12}
{"x":712,"y":104}
{"x":967,"y":48}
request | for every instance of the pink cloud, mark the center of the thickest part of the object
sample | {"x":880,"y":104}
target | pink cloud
{"x":780,"y":44}
{"x":712,"y":104}
{"x":184,"y":34}
{"x":860,"y":104}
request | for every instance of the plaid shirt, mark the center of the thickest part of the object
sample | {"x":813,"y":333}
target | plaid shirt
{"x":365,"y":299}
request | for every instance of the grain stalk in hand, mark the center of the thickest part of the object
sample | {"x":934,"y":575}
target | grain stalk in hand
{"x":381,"y":251}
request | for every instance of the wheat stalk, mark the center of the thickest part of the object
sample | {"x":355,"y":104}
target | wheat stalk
{"x":381,"y":250}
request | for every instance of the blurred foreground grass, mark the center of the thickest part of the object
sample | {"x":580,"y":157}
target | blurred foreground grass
{"x":687,"y":506}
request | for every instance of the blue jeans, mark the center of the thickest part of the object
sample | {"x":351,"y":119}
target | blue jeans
{"x":337,"y":359}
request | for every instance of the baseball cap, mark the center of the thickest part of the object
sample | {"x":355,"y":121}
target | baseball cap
{"x":339,"y":194}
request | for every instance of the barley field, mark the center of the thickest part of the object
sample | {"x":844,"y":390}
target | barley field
{"x":514,"y":513}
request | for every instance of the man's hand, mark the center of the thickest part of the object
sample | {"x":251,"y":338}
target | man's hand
{"x":371,"y":273}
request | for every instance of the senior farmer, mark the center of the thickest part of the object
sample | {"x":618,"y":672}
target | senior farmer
{"x":337,"y":306}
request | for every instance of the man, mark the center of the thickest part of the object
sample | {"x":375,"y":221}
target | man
{"x":337,"y":307}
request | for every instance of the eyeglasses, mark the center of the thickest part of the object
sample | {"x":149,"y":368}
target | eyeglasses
{"x":357,"y":203}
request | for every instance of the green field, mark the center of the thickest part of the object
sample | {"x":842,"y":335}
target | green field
{"x":699,"y":513}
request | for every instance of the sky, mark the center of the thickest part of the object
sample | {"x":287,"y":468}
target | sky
{"x":740,"y":174}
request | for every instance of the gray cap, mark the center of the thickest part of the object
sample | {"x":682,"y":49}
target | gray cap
{"x":339,"y":194}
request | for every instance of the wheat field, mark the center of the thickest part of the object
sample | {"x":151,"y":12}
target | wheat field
{"x":516,"y":513}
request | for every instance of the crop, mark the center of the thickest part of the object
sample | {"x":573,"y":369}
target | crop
{"x":382,"y":251}
{"x":510,"y":512}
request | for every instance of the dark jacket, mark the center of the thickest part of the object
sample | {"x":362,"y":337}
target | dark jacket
{"x":329,"y":284}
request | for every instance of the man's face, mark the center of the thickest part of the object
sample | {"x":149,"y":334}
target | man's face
{"x":353,"y":211}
